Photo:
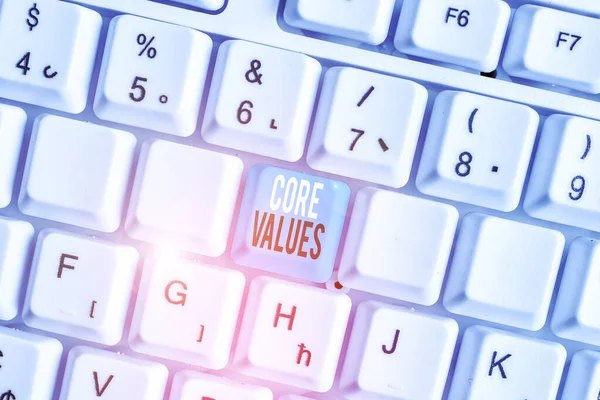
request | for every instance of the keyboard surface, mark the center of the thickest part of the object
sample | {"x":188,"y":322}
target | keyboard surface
{"x":299,"y":199}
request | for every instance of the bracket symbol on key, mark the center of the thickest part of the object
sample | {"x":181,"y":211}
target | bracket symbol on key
{"x":588,"y":146}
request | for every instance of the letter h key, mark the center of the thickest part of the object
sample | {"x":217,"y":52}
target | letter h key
{"x":292,"y":334}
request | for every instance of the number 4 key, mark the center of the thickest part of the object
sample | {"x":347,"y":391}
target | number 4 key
{"x":41,"y":64}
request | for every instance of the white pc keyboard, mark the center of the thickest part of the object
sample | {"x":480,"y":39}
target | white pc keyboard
{"x":299,"y":199}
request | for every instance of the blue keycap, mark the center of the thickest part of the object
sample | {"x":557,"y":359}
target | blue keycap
{"x":290,"y":223}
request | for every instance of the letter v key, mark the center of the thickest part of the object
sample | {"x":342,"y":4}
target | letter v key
{"x":100,"y":392}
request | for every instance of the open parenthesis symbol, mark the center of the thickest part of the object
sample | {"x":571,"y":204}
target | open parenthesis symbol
{"x":49,"y":74}
{"x":471,"y":118}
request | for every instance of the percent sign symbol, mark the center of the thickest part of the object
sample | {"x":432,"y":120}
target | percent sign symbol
{"x":142,"y":40}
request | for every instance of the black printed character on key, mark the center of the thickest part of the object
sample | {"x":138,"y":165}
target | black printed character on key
{"x":244,"y":111}
{"x":8,"y":395}
{"x":32,"y":20}
{"x":578,"y":182}
{"x":360,"y":132}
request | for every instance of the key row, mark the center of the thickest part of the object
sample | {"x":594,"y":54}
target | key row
{"x":392,"y":352}
{"x":543,"y":45}
{"x":291,"y":223}
{"x":477,"y":150}
{"x":489,"y":275}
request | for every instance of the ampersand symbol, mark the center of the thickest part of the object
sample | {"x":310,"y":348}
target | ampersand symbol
{"x":252,"y":74}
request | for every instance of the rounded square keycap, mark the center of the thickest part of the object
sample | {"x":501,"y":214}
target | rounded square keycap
{"x":292,"y":334}
{"x":364,"y":20}
{"x":261,"y":100}
{"x":183,"y":197}
{"x":497,"y":365}
{"x":503,"y":271}
{"x":80,"y":286}
{"x":367,"y":126}
{"x":554,"y":47}
{"x":48,"y":52}
{"x":463,"y":32}
{"x":28,"y":365}
{"x":576,"y":309}
{"x":583,"y":377}
{"x":12,"y":129}
{"x":290,"y":223}
{"x":16,"y":239}
{"x":92,"y":373}
{"x":397,"y":353}
{"x":398,"y":246}
{"x":186,"y":311}
{"x":77,"y":173}
{"x":562,"y":187}
{"x":148,"y":82}
{"x":190,"y":385}
{"x":477,"y":150}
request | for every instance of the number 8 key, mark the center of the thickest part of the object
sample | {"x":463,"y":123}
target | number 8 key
{"x":477,"y":150}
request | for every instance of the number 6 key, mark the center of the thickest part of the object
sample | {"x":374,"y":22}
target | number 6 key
{"x":477,"y":150}
{"x":261,"y":100}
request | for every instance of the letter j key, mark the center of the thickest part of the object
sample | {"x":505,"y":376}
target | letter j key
{"x":290,"y":223}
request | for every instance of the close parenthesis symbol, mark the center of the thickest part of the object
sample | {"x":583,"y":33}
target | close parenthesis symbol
{"x":49,"y":75}
{"x":588,"y":146}
{"x":471,"y":118}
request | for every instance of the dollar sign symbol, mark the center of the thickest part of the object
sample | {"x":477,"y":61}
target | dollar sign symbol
{"x":32,"y":21}
{"x":8,"y":396}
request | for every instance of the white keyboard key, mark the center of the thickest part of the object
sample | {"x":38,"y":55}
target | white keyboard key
{"x":15,"y":245}
{"x":503,"y":271}
{"x":576,"y":309}
{"x":363,"y":20}
{"x":92,"y":373}
{"x":562,"y":187}
{"x":41,"y":62}
{"x":469,"y":33}
{"x":292,"y":334}
{"x":396,"y":353}
{"x":367,"y":126}
{"x":186,"y":202}
{"x":187,"y":311}
{"x":497,"y":365}
{"x":80,"y":286}
{"x":77,"y":173}
{"x":189,"y":385}
{"x":584,"y":375}
{"x":554,"y":47}
{"x":28,"y":365}
{"x":208,"y":5}
{"x":148,"y":82}
{"x":261,"y":100}
{"x":477,"y":150}
{"x":387,"y":226}
{"x":12,"y":128}
{"x":586,"y":7}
